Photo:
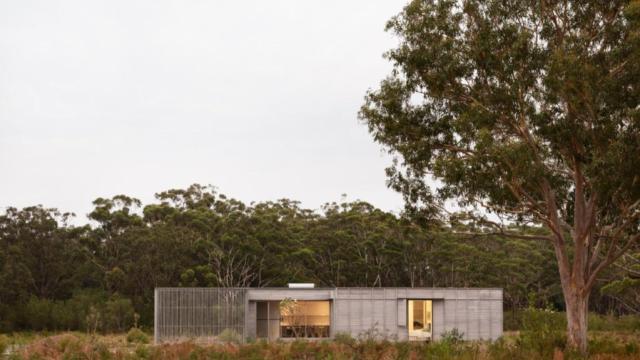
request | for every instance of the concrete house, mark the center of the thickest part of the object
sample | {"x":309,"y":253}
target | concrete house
{"x":301,"y":311}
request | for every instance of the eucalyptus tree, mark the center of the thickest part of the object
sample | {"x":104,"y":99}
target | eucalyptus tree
{"x":37,"y":254}
{"x":527,"y":109}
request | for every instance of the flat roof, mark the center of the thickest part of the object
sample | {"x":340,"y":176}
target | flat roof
{"x":354,"y":293}
{"x":330,"y":288}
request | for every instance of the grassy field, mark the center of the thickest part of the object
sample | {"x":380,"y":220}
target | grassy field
{"x":73,"y":345}
{"x":540,"y":335}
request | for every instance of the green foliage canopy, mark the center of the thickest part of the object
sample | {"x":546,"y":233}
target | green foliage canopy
{"x":527,"y":109}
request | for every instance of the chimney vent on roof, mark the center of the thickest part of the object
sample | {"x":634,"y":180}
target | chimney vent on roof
{"x":302,"y":285}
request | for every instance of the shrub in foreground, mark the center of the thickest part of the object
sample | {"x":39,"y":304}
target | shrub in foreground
{"x":4,"y":344}
{"x":135,"y":335}
{"x":344,"y":338}
{"x":541,"y":332}
{"x":79,"y":346}
{"x":514,"y":321}
{"x":230,"y":336}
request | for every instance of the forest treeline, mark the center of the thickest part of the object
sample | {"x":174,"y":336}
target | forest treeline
{"x":102,"y":275}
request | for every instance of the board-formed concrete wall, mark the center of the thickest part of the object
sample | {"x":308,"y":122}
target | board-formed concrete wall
{"x":476,"y":313}
{"x":381,"y":312}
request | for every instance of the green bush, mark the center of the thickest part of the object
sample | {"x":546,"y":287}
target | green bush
{"x":143,"y":352}
{"x":254,"y":350}
{"x":4,"y":344}
{"x":453,"y":336}
{"x":627,"y":323}
{"x":631,"y":348}
{"x":230,"y":336}
{"x":501,"y":350}
{"x":517,"y":320}
{"x":138,"y":336}
{"x":512,"y":320}
{"x":94,"y":309}
{"x":344,"y":338}
{"x":451,"y":348}
{"x":76,"y":346}
{"x":9,"y":317}
{"x":605,"y":345}
{"x":64,"y":316}
{"x":37,"y":313}
{"x":439,"y":350}
{"x":73,"y":348}
{"x":299,"y":349}
{"x":82,"y":301}
{"x":372,"y":334}
{"x":543,"y":331}
{"x":102,"y":351}
{"x":117,"y":314}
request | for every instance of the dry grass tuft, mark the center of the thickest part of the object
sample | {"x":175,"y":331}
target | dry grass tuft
{"x":603,"y":346}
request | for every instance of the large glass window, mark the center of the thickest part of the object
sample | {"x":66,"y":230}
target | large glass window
{"x":304,"y":319}
{"x":420,"y":319}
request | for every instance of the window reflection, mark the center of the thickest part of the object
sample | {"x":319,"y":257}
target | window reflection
{"x":304,"y":319}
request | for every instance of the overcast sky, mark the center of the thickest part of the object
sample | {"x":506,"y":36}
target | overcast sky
{"x":259,"y":98}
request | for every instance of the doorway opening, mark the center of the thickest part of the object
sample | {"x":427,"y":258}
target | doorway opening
{"x":420,"y":322}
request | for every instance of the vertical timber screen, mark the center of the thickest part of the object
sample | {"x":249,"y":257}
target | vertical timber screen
{"x":201,"y":314}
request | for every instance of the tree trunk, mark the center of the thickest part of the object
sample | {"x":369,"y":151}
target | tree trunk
{"x":577,"y":305}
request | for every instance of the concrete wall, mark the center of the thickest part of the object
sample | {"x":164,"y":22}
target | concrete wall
{"x":438,"y":319}
{"x":477,"y":313}
{"x":381,"y":312}
{"x":250,"y":320}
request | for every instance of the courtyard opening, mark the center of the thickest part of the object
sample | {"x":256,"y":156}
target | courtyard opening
{"x":293,"y":319}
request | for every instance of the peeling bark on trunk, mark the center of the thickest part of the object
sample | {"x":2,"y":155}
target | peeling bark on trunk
{"x":577,"y":305}
{"x":576,"y":275}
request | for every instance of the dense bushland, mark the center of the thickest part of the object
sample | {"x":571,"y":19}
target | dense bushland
{"x":97,"y":277}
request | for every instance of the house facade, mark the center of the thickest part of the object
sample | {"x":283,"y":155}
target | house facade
{"x":420,"y":314}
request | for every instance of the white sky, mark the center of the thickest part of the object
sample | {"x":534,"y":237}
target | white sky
{"x":258,"y":98}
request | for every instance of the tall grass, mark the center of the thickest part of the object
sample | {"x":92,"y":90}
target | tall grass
{"x":541,"y":336}
{"x":4,"y":344}
{"x":513,"y":321}
{"x":74,"y":347}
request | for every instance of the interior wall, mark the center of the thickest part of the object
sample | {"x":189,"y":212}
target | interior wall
{"x":315,"y":312}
